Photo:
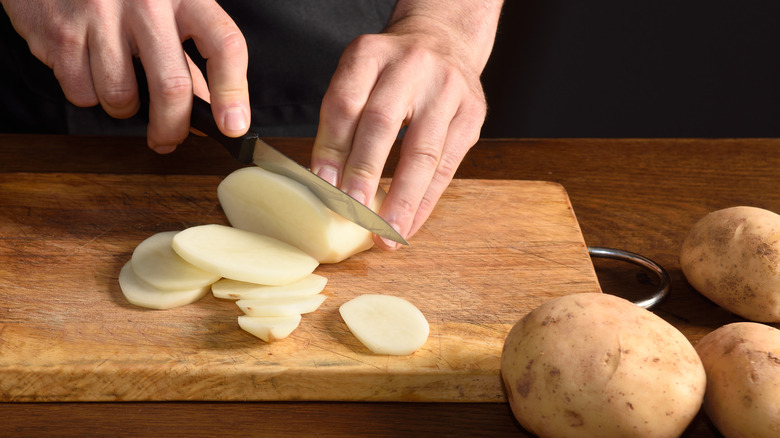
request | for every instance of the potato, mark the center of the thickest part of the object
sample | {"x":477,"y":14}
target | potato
{"x":242,"y":255}
{"x":732,"y":256}
{"x":155,"y":262}
{"x":386,"y":324}
{"x":595,"y":365}
{"x":143,"y":294}
{"x":269,"y":328}
{"x":281,"y":306}
{"x":236,"y":290}
{"x":742,"y":361}
{"x":263,"y":202}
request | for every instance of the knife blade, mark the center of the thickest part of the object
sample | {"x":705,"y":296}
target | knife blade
{"x":250,"y":148}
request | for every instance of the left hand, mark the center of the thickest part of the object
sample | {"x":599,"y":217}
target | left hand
{"x":420,"y":74}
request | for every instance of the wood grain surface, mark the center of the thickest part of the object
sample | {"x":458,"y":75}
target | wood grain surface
{"x":493,"y":251}
{"x":636,"y":194}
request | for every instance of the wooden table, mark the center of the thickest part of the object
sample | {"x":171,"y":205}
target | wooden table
{"x":637,"y":195}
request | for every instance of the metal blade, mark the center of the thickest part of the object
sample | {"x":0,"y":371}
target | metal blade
{"x":267,"y":157}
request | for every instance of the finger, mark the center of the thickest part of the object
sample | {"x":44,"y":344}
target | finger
{"x":387,"y":108}
{"x":69,"y":61}
{"x":112,"y":71}
{"x":168,"y":77}
{"x":342,"y":106}
{"x":421,"y":152}
{"x":222,"y":44}
{"x":463,"y":132}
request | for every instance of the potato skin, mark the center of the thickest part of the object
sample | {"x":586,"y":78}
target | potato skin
{"x":742,"y":361}
{"x":595,"y":365}
{"x":732,"y":257}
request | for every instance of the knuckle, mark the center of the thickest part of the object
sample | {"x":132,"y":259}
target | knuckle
{"x":63,"y":38}
{"x":448,"y":164}
{"x":343,"y":103}
{"x":381,"y":115}
{"x":232,"y":40}
{"x":331,"y":153}
{"x":118,"y":97}
{"x":175,"y":87}
{"x":418,"y":55}
{"x":364,"y":43}
{"x":405,"y":206}
{"x":364,"y":171}
{"x":428,"y":156}
{"x":226,"y":94}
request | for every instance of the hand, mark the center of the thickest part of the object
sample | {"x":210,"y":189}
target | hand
{"x":421,"y":73}
{"x":90,"y":45}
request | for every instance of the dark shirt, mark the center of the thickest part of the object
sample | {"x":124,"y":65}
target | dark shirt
{"x":294,"y":47}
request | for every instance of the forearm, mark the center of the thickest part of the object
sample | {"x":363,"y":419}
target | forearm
{"x":468,"y":26}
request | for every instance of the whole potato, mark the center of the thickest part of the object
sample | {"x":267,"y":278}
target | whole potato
{"x":742,"y":361}
{"x":732,"y":256}
{"x":595,"y":365}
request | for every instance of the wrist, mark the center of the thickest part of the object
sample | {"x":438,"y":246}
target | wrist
{"x":465,"y":29}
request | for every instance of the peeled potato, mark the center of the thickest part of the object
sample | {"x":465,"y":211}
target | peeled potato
{"x":281,"y":306}
{"x":386,"y":324}
{"x":269,"y":328}
{"x":236,"y":290}
{"x":243,"y":255}
{"x":266,"y":203}
{"x":143,"y":294}
{"x":155,"y":262}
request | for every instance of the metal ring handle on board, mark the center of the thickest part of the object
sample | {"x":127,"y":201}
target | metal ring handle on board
{"x":636,"y":259}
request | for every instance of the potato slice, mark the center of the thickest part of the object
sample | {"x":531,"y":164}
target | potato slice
{"x":281,"y":306}
{"x":288,"y":211}
{"x":386,"y":324}
{"x":243,"y":255}
{"x":155,"y":262}
{"x":236,"y":290}
{"x":143,"y":294}
{"x":269,"y":328}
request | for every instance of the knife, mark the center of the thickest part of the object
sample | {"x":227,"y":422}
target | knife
{"x":250,"y":148}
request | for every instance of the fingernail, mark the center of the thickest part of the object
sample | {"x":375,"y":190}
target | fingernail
{"x":235,"y":119}
{"x":329,"y":174}
{"x":391,"y":244}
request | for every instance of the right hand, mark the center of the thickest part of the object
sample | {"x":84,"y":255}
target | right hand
{"x":90,"y":45}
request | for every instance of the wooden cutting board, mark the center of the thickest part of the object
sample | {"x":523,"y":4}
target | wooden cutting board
{"x":491,"y":252}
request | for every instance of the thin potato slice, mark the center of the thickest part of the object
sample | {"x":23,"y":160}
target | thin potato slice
{"x":269,"y":328}
{"x":386,"y":324}
{"x":288,"y":211}
{"x":243,"y":255}
{"x":155,"y":262}
{"x":284,"y":306}
{"x":237,"y":290}
{"x":143,"y":294}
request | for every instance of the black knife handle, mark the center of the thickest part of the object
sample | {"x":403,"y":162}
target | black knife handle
{"x":241,"y":148}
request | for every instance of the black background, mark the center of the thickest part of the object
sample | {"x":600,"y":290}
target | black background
{"x":571,"y":68}
{"x":611,"y":68}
